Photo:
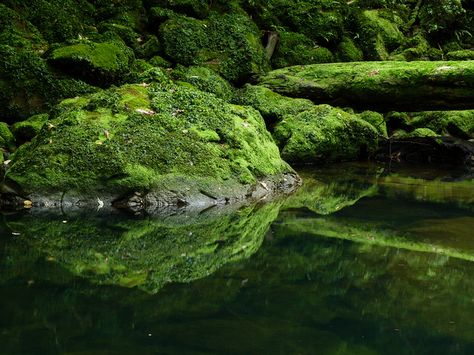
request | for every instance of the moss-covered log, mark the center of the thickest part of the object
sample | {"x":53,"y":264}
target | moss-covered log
{"x":379,"y":85}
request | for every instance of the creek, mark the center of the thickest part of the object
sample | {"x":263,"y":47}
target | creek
{"x":362,"y":259}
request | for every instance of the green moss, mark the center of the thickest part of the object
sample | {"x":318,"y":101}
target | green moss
{"x":271,"y":105}
{"x":439,"y":19}
{"x":142,"y":137}
{"x":295,"y":48}
{"x":194,"y":8}
{"x":28,"y":86}
{"x":158,"y":61}
{"x":97,"y":63}
{"x":347,"y":51}
{"x":228,"y":43}
{"x":456,"y":123}
{"x":16,"y":31}
{"x":376,"y":120}
{"x":150,"y":252}
{"x":378,"y":85}
{"x":467,"y":54}
{"x":422,"y":132}
{"x":206,"y":80}
{"x":26,"y":130}
{"x":7,"y":140}
{"x":417,"y":48}
{"x":57,"y":20}
{"x":324,"y":134}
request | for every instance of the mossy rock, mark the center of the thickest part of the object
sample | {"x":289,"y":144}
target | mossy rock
{"x":28,"y":86}
{"x":456,"y":123}
{"x":158,"y":61}
{"x":18,"y":32}
{"x":271,"y":105}
{"x":375,"y":119}
{"x":97,"y":63}
{"x":417,"y":47}
{"x":7,"y":140}
{"x":324,"y":134}
{"x":205,"y":79}
{"x":57,"y":20}
{"x":347,"y":51}
{"x":467,"y":54}
{"x":295,"y":48}
{"x":228,"y":43}
{"x":25,"y":131}
{"x":171,"y":143}
{"x":379,"y":86}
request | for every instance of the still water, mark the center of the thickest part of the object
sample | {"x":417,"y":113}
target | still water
{"x":363,"y":259}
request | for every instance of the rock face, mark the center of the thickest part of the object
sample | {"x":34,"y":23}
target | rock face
{"x":379,"y":85}
{"x":150,"y":146}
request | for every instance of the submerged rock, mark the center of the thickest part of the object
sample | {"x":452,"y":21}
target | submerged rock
{"x":150,"y":146}
{"x":379,"y":85}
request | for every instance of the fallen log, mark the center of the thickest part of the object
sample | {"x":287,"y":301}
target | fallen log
{"x":381,"y":86}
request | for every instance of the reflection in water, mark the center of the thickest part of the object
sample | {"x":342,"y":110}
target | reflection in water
{"x":353,"y":264}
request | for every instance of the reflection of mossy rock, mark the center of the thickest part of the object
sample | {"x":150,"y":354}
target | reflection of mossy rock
{"x":99,"y":63}
{"x":384,"y":85}
{"x":325,"y":134}
{"x":146,"y":253}
{"x":179,"y":144}
{"x":329,"y":192}
{"x":228,"y":43}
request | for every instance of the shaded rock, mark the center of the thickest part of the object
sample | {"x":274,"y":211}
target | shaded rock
{"x":25,"y":131}
{"x":325,"y":134}
{"x":97,"y":63}
{"x":428,"y":150}
{"x":379,"y":85}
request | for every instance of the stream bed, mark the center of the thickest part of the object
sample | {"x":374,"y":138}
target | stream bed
{"x":362,"y":259}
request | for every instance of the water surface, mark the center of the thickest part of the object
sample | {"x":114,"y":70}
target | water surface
{"x":363,"y":259}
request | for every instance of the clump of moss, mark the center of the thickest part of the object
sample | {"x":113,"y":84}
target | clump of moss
{"x":227,"y":43}
{"x":295,"y":48}
{"x":376,"y":120}
{"x":97,"y":63}
{"x":158,"y":61}
{"x":456,"y":123}
{"x":25,"y":131}
{"x":142,"y":137}
{"x":347,"y":51}
{"x":417,"y":47}
{"x":466,"y":54}
{"x":57,"y":20}
{"x":324,"y":134}
{"x":271,"y":105}
{"x":206,"y":80}
{"x":28,"y":86}
{"x":7,"y":140}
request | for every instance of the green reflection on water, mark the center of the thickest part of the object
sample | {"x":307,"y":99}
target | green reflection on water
{"x":358,"y":261}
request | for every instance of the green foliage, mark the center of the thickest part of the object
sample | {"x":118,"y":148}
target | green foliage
{"x":347,"y":51}
{"x":440,"y":18}
{"x":7,"y":140}
{"x":25,"y":131}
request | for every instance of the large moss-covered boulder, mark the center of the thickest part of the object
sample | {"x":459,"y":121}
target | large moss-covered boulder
{"x":97,"y":63}
{"x":228,"y":43}
{"x":168,"y":144}
{"x":379,"y":85}
{"x":325,"y":134}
